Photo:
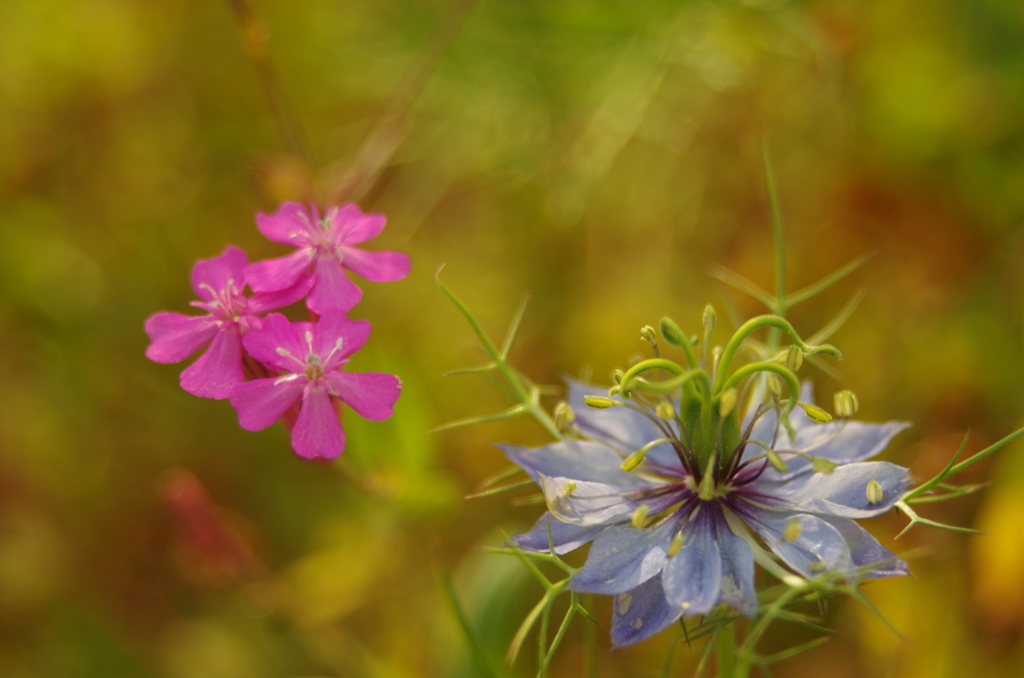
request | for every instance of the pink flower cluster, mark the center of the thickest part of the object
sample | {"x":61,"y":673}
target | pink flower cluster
{"x":272,"y":369}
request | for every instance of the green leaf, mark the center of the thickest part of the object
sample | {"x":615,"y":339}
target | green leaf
{"x":826,"y":282}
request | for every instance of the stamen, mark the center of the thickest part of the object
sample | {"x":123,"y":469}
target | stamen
{"x":337,"y":347}
{"x":569,"y":488}
{"x":874,"y":492}
{"x":640,"y":516}
{"x":676,"y":544}
{"x":287,"y":377}
{"x":791,"y":532}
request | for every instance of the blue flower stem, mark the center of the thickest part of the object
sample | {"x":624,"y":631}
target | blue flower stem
{"x":725,"y":651}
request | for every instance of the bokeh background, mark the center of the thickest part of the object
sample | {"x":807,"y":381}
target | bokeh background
{"x":600,"y":154}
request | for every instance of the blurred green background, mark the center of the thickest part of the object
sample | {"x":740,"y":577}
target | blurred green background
{"x":601,"y":154}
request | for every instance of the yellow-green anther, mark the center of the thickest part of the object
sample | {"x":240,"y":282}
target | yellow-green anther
{"x":776,"y":461}
{"x":709,"y":319}
{"x":673,"y":335}
{"x":640,"y":516}
{"x":794,"y":358}
{"x":815,"y":413}
{"x":846,"y":404}
{"x":598,"y":402}
{"x":617,"y":376}
{"x":706,"y":491}
{"x":791,"y":532}
{"x":665,"y":411}
{"x":564,"y":416}
{"x":676,"y":544}
{"x":569,"y":488}
{"x":874,"y":492}
{"x":816,"y":566}
{"x":634,"y":460}
{"x":647,"y":332}
{"x":727,"y":403}
{"x":822,"y":465}
{"x":773,"y":384}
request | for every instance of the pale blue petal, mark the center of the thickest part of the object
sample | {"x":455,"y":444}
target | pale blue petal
{"x":620,"y":427}
{"x":843,"y":492}
{"x":737,"y":570}
{"x":576,"y":459}
{"x":842,"y":442}
{"x":764,"y":429}
{"x":565,"y":537}
{"x":622,"y":558}
{"x":693,"y":577}
{"x":865,"y":550}
{"x":588,"y":503}
{"x":641,"y":613}
{"x":817,"y":546}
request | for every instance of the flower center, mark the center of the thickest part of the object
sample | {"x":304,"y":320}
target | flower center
{"x":228,"y":303}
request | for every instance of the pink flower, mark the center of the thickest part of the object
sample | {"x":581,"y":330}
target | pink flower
{"x":324,"y":250}
{"x":312,"y":355}
{"x":219,"y":283}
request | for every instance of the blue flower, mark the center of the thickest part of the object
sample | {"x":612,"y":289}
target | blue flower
{"x":665,"y":544}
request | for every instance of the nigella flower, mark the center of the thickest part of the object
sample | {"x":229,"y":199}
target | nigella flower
{"x":325,"y":248}
{"x":310,"y":357}
{"x":219,"y":282}
{"x":667,"y":544}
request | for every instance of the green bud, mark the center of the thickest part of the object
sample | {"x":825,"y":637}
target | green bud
{"x":709,"y":319}
{"x":598,"y":402}
{"x":815,"y":413}
{"x":647,"y":332}
{"x":822,"y":465}
{"x":776,"y":461}
{"x":791,"y":532}
{"x":846,"y":404}
{"x":727,"y":403}
{"x":874,"y":492}
{"x":634,"y":460}
{"x":564,"y":416}
{"x":640,"y":516}
{"x":794,"y":358}
{"x":676,"y":544}
{"x":673,"y":335}
{"x":665,"y":411}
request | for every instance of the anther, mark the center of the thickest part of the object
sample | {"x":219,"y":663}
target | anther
{"x":822,"y":465}
{"x":647,"y":332}
{"x":791,"y":531}
{"x":673,"y":335}
{"x":846,"y":404}
{"x":665,"y":410}
{"x":569,"y":488}
{"x":640,"y":516}
{"x":598,"y":402}
{"x":634,"y":460}
{"x":676,"y":544}
{"x":564,"y":416}
{"x":794,"y":358}
{"x":815,"y":413}
{"x":874,"y":492}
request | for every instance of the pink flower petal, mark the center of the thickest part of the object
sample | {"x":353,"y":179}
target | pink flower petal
{"x":261,"y":402}
{"x":218,"y":271}
{"x":176,"y":336}
{"x":279,"y":274}
{"x":290,"y":225}
{"x":371,"y":394}
{"x":354,"y":227}
{"x":335,"y":325}
{"x":261,"y":302}
{"x":332,"y":291}
{"x":219,"y":369}
{"x":317,"y":431}
{"x":377,"y":266}
{"x":278,"y":333}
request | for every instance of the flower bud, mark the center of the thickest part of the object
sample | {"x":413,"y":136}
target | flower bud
{"x":794,"y":358}
{"x":564,"y":416}
{"x":815,"y":413}
{"x":846,"y":404}
{"x":822,"y":465}
{"x":709,"y":319}
{"x":727,"y":403}
{"x":874,"y":492}
{"x":665,"y":411}
{"x":640,"y":516}
{"x":673,"y":335}
{"x":647,"y":332}
{"x":598,"y":402}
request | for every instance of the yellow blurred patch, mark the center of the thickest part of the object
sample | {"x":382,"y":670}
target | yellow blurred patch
{"x":997,"y":559}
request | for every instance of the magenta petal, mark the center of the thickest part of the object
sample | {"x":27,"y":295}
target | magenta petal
{"x":354,"y":227}
{"x":290,"y":225}
{"x":377,"y":266}
{"x":261,"y":402}
{"x":332,"y":291}
{"x":317,"y":431}
{"x":176,"y":336}
{"x":218,"y":271}
{"x":335,"y":325}
{"x":261,"y":302}
{"x":371,"y":394}
{"x":279,"y":274}
{"x":219,"y":369}
{"x":278,"y":333}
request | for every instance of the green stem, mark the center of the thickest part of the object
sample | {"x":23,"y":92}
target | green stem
{"x":725,"y":648}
